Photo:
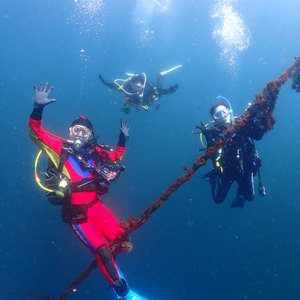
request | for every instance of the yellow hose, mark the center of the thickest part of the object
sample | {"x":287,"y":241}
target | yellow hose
{"x":36,"y":176}
{"x":201,"y":136}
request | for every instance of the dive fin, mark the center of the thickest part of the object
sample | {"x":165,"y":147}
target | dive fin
{"x":131,"y":294}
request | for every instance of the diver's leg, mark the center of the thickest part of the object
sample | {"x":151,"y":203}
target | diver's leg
{"x":106,"y":223}
{"x":245,"y":190}
{"x":246,"y":186}
{"x":90,"y":234}
{"x":220,"y":185}
{"x":106,"y":264}
{"x":110,"y":229}
{"x":96,"y":243}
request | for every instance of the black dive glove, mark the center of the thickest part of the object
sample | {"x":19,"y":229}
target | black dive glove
{"x":203,"y":129}
{"x":101,"y":78}
{"x":124,"y":135}
{"x":173,"y":88}
{"x":109,"y":84}
{"x":41,"y":99}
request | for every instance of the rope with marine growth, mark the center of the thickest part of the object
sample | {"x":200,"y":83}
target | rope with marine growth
{"x":263,"y":108}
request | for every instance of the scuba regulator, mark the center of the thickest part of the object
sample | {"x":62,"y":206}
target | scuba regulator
{"x":77,"y":144}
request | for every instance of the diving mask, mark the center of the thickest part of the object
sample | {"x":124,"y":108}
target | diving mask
{"x":78,"y":130}
{"x":79,"y":135}
{"x":138,"y":87}
{"x":222,"y":114}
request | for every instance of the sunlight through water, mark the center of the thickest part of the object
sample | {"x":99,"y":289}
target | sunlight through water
{"x":88,"y":17}
{"x":230,"y":32}
{"x":144,"y":12}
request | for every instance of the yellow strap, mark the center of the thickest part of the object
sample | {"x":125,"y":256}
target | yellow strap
{"x":218,"y":164}
{"x":201,"y":136}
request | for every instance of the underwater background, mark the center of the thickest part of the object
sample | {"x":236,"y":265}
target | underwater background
{"x":191,"y":248}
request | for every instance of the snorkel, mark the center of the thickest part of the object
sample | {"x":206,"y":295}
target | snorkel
{"x":222,"y":98}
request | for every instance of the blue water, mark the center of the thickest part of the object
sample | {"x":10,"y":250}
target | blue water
{"x":190,"y":248}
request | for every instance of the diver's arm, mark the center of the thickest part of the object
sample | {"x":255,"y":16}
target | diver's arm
{"x":37,"y":112}
{"x":159,"y":86}
{"x":111,"y":85}
{"x":172,"y":89}
{"x":119,"y":151}
{"x":36,"y":133}
{"x":212,"y":135}
{"x":255,"y":129}
{"x":114,"y":155}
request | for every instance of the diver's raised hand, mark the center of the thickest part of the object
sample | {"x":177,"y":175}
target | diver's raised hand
{"x":173,"y":88}
{"x":41,"y":95}
{"x":125,"y":128}
{"x":101,"y":78}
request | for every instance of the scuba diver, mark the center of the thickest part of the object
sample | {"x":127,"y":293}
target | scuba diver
{"x":296,"y":78}
{"x":78,"y":174}
{"x":140,"y":91}
{"x":237,"y":160}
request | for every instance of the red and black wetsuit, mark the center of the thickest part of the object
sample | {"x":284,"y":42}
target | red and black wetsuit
{"x":101,"y":227}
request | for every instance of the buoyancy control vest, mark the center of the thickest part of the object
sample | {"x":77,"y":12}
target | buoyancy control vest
{"x":104,"y":172}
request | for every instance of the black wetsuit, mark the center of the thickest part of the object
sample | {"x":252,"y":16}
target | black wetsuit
{"x":236,"y":161}
{"x":150,"y":93}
